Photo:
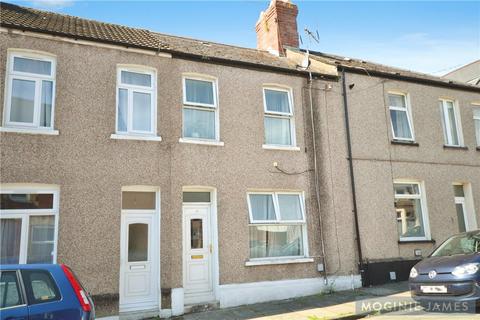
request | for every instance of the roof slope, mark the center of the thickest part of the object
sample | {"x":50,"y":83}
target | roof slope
{"x":29,"y":19}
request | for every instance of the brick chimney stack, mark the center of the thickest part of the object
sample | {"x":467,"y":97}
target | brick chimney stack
{"x":277,"y":27}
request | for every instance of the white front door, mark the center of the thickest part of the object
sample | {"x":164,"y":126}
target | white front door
{"x":197,"y":278}
{"x":139,"y":262}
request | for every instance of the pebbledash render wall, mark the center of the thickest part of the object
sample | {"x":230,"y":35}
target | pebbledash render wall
{"x":90,"y":168}
{"x":377,"y":162}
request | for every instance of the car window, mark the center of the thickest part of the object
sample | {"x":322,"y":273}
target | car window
{"x":40,"y":286}
{"x":10,"y":295}
{"x":459,"y":244}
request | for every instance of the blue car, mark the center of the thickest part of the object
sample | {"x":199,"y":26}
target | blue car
{"x":42,"y":291}
{"x":449,"y":278}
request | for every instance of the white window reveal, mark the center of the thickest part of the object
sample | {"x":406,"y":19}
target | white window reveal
{"x":30,"y":92}
{"x":200,"y":109}
{"x":279,"y":121}
{"x":476,"y":120}
{"x":28,"y":226}
{"x":277,"y":225}
{"x":400,"y":117}
{"x":136,"y":102}
{"x":451,"y":123}
{"x":411,"y":210}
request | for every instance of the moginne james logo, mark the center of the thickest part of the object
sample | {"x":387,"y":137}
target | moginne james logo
{"x":386,"y":304}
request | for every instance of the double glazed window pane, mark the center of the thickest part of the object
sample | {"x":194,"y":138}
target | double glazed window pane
{"x":277,"y":101}
{"x":198,"y":91}
{"x":276,"y":241}
{"x":290,"y":207}
{"x":199,"y":124}
{"x":409,"y":218}
{"x":262,"y":208}
{"x":449,"y":122}
{"x":32,"y":66}
{"x":137,"y":242}
{"x":122,"y":110}
{"x":277,"y":131}
{"x":401,"y":127}
{"x":26,"y":201}
{"x":136,"y":79}
{"x":476,"y":120}
{"x":10,"y":237}
{"x":41,"y":239}
{"x":141,"y":118}
{"x":397,"y":100}
{"x":406,"y":189}
{"x":23,"y":101}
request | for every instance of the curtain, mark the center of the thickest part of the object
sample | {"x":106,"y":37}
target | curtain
{"x":23,"y":99}
{"x":198,"y":124}
{"x":262,"y":207}
{"x":46,"y":107}
{"x":277,"y":101}
{"x":32,"y":66}
{"x":400,"y":125}
{"x":198,"y":91}
{"x":453,"y":123}
{"x":142,"y":113}
{"x":136,"y":79}
{"x":277,"y":131}
{"x":276,"y":241}
{"x":41,"y":239}
{"x":10,"y":235}
{"x":290,"y":207}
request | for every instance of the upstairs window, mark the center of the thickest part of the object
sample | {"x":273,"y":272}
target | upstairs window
{"x":451,"y":123}
{"x":136,"y":101}
{"x":30,"y":94}
{"x":277,"y":225}
{"x":400,"y":117}
{"x":278,"y":120}
{"x":476,"y":120}
{"x":200,"y":109}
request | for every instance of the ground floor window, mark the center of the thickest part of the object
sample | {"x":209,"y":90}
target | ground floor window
{"x":28,"y":225}
{"x":277,"y":225}
{"x":410,"y":207}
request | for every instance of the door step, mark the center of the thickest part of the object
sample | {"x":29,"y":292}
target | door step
{"x":202,"y":307}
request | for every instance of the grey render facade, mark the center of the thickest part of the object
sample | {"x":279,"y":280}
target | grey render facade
{"x":198,"y":213}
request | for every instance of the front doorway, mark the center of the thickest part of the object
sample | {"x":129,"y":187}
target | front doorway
{"x":139,"y":263}
{"x":198,"y":244}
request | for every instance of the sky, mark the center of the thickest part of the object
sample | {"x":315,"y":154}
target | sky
{"x":432,"y":36}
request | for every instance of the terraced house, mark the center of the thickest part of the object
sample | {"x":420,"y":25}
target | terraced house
{"x":170,"y":172}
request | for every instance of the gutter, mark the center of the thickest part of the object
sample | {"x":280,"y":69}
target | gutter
{"x":176,"y":53}
{"x":352,"y":178}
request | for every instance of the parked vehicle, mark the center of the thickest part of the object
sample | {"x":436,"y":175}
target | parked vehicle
{"x":42,"y":291}
{"x":449,"y":278}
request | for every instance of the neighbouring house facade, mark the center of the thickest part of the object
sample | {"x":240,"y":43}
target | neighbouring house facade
{"x":170,"y":172}
{"x":469,"y":73}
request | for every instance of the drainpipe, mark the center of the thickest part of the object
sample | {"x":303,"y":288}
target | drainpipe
{"x":315,"y":170}
{"x":352,"y":178}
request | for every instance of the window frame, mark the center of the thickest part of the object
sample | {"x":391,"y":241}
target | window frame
{"x":423,"y":204}
{"x":476,"y":106}
{"x":279,"y":115}
{"x":11,"y":75}
{"x":447,"y":131}
{"x":152,"y":90}
{"x":302,"y":223}
{"x":25,"y":214}
{"x":201,"y":106}
{"x":407,"y":110}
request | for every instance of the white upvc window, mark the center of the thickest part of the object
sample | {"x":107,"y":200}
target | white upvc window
{"x":400,"y":116}
{"x":200,"y":108}
{"x":30,"y":91}
{"x":452,"y":127}
{"x":28,"y":225}
{"x":136,"y":101}
{"x":277,"y":225}
{"x":476,"y":120}
{"x":411,"y":211}
{"x":279,"y":119}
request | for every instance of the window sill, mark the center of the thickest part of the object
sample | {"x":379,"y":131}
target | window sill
{"x":446,"y":146}
{"x":405,"y":143}
{"x":47,"y":132}
{"x":133,"y":137}
{"x":266,"y":262}
{"x":415,"y":241}
{"x":285,"y":148}
{"x":204,"y":142}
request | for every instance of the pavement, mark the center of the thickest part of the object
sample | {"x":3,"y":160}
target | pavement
{"x":348,"y":305}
